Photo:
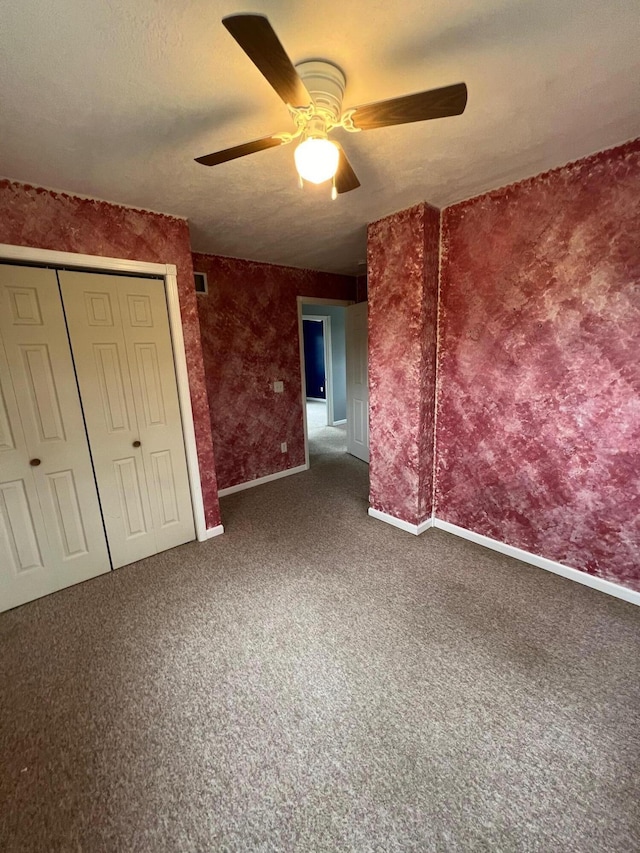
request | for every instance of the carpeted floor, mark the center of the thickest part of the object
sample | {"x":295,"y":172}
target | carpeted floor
{"x":317,"y":421}
{"x":316,"y":680}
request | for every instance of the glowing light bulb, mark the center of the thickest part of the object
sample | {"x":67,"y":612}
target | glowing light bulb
{"x":316,"y":160}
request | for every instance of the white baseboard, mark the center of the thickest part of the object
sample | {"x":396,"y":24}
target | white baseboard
{"x":210,"y":532}
{"x":337,"y":423}
{"x":609,"y":587}
{"x":416,"y":529}
{"x":260,"y":480}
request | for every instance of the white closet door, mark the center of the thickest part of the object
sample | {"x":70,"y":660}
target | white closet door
{"x":121,"y":343}
{"x":51,"y":533}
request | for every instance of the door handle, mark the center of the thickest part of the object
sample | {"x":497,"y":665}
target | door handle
{"x":137,"y":443}
{"x":34,"y":462}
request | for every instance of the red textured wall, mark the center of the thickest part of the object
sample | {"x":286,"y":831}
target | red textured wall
{"x":31,"y":216}
{"x":538,"y":437}
{"x":402,"y":265}
{"x":249,"y":329}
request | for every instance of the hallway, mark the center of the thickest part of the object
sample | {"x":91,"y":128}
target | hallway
{"x":323,"y":440}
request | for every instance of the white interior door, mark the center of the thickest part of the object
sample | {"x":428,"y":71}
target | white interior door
{"x":357,"y":381}
{"x":119,"y":331}
{"x":51,"y":532}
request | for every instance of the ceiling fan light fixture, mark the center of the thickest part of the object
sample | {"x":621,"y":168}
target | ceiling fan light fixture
{"x":313,"y":91}
{"x":317,"y":160}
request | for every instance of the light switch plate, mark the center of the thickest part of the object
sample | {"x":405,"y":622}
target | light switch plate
{"x":278,"y":386}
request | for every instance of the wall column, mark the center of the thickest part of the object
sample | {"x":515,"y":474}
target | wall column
{"x":402,"y":266}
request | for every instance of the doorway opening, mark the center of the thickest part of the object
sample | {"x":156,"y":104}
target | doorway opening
{"x":316,"y":340}
{"x":324,"y":357}
{"x":324,"y":367}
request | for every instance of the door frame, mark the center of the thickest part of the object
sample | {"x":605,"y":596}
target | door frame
{"x":168,"y":273}
{"x":328,"y":367}
{"x":311,"y":300}
{"x":352,"y":335}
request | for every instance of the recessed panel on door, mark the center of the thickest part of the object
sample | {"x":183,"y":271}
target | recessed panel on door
{"x":51,"y":532}
{"x":21,"y":549}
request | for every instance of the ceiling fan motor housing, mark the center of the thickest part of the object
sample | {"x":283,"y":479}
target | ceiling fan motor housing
{"x":326,"y":83}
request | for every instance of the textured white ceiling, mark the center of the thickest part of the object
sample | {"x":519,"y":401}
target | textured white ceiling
{"x":114,"y":99}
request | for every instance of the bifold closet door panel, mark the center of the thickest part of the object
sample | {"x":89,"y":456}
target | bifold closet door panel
{"x":51,"y":532}
{"x":120,"y":338}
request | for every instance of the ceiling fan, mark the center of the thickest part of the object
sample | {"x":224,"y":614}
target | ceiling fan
{"x":313,"y":93}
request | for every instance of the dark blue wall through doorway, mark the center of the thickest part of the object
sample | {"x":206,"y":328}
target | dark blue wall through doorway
{"x":314,"y":367}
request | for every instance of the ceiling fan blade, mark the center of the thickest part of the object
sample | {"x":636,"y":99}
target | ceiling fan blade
{"x":240,"y":150}
{"x":257,"y":38}
{"x":436,"y":103}
{"x":346,"y":178}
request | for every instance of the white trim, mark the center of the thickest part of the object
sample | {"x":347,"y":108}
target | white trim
{"x":325,"y":319}
{"x":337,"y":423}
{"x":328,"y":367}
{"x":184,"y":397}
{"x":600,"y":584}
{"x":310,"y":300}
{"x":211,"y":532}
{"x":317,"y":300}
{"x":240,"y":487}
{"x":303,"y":384}
{"x":48,"y":257}
{"x":26,"y":254}
{"x":416,"y":529}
